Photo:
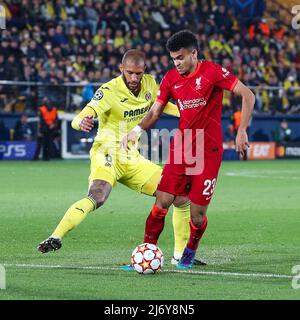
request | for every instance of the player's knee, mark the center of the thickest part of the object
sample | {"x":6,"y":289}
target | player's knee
{"x":100,"y":201}
{"x":98,"y":197}
{"x":164,"y":200}
{"x":164,"y":205}
{"x":99,"y":194}
{"x":181,"y":202}
{"x":198,"y":214}
{"x":198,"y":220}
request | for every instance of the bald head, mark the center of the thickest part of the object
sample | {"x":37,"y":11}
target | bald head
{"x":133,"y":67}
{"x":134,"y":56}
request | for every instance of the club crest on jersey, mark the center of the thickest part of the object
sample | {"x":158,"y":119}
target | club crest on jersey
{"x":148,"y":96}
{"x":198,"y":83}
{"x":98,"y":95}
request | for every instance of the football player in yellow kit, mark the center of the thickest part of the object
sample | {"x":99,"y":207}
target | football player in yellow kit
{"x":119,"y":105}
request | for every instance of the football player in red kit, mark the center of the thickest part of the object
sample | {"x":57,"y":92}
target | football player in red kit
{"x":197,"y":87}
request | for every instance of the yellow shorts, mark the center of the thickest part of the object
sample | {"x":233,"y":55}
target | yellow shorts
{"x":129,"y":168}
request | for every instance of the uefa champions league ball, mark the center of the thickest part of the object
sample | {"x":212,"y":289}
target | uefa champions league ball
{"x":147,"y":258}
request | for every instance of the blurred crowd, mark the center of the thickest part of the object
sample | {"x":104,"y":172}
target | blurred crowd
{"x":82,"y":41}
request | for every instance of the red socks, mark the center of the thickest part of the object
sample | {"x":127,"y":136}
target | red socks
{"x":196,"y":234}
{"x":155,"y":224}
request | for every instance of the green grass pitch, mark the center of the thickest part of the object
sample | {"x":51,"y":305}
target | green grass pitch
{"x":251,"y":243}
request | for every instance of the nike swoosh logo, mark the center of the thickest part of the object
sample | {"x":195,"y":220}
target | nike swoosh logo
{"x":125,"y":99}
{"x":207,"y":198}
{"x":80,"y":209}
{"x":176,"y":87}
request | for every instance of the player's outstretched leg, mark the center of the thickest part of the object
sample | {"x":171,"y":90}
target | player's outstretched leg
{"x":98,"y":193}
{"x":74,"y":216}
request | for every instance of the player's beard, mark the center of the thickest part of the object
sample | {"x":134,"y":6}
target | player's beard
{"x":133,"y":88}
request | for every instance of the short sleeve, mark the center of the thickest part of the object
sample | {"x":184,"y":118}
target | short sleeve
{"x":222,"y":78}
{"x":163,"y":94}
{"x":100,"y":101}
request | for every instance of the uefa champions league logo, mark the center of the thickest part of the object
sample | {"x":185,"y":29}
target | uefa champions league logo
{"x":2,"y":18}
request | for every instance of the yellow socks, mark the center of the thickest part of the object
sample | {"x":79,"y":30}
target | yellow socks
{"x":181,"y":227}
{"x":74,"y":216}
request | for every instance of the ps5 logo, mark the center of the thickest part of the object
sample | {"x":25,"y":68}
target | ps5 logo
{"x":2,"y":17}
{"x":296,"y":19}
{"x":18,"y":150}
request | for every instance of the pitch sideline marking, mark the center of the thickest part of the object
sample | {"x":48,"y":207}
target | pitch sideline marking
{"x":251,"y":175}
{"x":213,"y":273}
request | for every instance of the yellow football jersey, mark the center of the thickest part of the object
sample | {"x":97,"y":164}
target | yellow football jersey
{"x":119,"y":110}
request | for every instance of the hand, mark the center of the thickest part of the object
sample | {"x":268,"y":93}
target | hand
{"x":87,"y":124}
{"x":130,"y":137}
{"x":241,"y":142}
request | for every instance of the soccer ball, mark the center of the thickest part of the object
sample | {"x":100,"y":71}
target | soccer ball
{"x":147,"y":258}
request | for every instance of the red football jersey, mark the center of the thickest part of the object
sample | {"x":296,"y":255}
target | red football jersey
{"x":199,"y":98}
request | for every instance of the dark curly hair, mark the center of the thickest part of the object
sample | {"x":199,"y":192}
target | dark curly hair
{"x":182,"y":39}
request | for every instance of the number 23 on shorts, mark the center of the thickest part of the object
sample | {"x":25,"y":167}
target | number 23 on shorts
{"x":209,"y":187}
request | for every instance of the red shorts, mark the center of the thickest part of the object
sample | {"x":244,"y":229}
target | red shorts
{"x":198,"y":188}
